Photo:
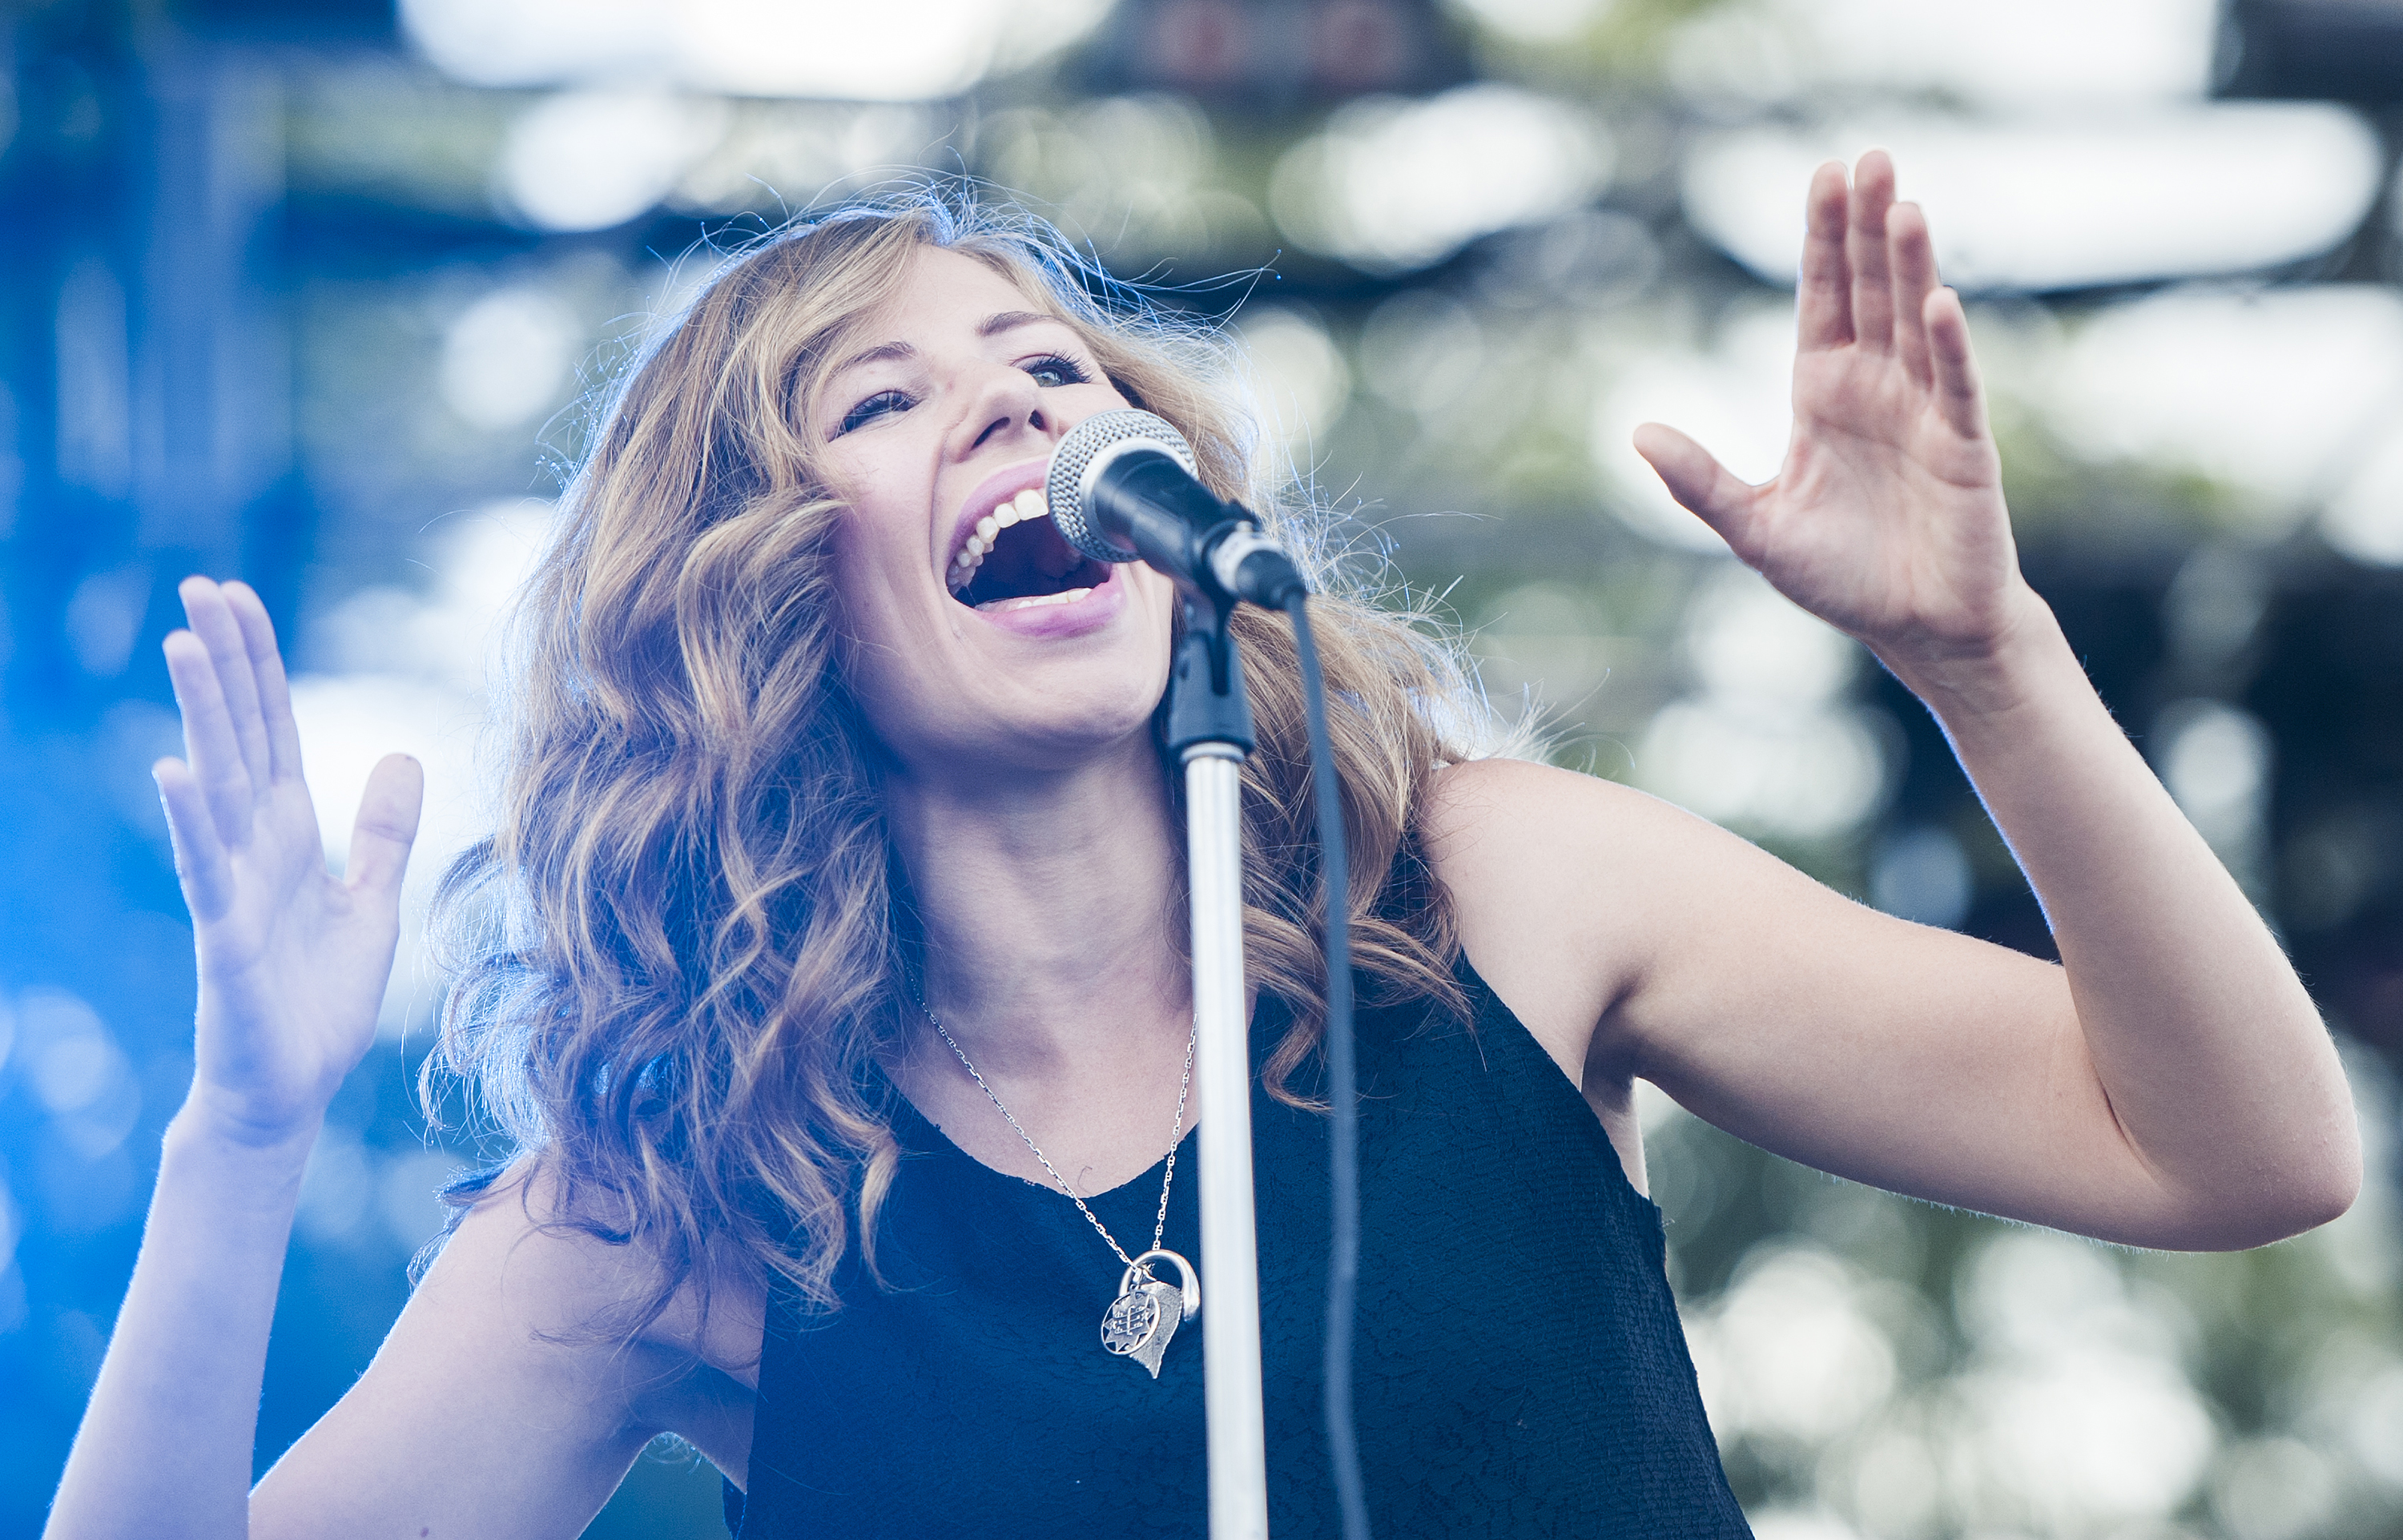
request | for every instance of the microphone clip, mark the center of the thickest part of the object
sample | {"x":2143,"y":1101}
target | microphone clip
{"x":1206,"y":700}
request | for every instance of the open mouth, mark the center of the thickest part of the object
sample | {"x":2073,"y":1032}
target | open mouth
{"x":1023,"y":561}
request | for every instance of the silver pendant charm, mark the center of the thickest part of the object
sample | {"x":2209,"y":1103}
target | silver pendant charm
{"x":1146,"y":1312}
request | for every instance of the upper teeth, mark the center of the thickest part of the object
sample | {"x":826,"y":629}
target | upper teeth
{"x":1027,"y":506}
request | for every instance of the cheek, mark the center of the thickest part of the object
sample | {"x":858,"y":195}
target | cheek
{"x":1158,"y":592}
{"x":885,"y":666}
{"x":868,"y":612}
{"x":885,"y":477}
{"x":883,"y":538}
{"x":1156,"y":596}
{"x":872,"y":598}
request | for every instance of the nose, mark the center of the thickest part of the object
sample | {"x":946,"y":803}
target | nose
{"x":1003,"y":403}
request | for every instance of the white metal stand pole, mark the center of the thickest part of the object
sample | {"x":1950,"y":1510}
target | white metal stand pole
{"x":1222,"y":1067}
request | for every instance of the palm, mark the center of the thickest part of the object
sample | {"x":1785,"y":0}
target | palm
{"x":1887,"y":517}
{"x":292,"y":962}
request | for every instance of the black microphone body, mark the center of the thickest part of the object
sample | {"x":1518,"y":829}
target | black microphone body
{"x":1121,"y":489}
{"x":1178,"y":528}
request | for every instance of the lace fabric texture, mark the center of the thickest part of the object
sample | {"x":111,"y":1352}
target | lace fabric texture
{"x":1521,"y":1370}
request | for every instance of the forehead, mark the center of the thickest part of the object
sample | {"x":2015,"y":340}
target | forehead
{"x":946,"y":291}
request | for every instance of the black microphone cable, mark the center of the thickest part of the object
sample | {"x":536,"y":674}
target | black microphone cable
{"x":1342,"y":1078}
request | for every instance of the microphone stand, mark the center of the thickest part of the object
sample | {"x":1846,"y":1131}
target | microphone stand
{"x":1210,"y":734}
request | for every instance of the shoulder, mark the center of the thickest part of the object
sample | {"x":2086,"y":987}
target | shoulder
{"x":1524,"y":852}
{"x":1515,"y":840}
{"x":1538,"y":863}
{"x":545,"y":1269}
{"x":1568,"y":889}
{"x":1485,"y":810}
{"x":564,"y":1304}
{"x":1510,"y":837}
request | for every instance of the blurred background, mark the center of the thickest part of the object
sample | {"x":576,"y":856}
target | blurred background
{"x":309,"y":292}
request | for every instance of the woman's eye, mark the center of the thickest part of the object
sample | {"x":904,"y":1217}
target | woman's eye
{"x":1052,"y":369}
{"x":876,"y":405}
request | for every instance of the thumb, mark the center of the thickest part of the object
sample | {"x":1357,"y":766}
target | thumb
{"x":386,"y":826}
{"x":1703,"y":487}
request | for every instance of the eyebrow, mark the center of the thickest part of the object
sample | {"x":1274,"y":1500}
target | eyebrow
{"x":992,"y":326}
{"x":1010,"y":320}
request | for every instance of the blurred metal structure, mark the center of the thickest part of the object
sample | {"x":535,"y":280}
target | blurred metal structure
{"x":2338,"y":50}
{"x":1278,"y":54}
{"x":147,"y":354}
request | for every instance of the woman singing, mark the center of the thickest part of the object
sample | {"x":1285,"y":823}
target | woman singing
{"x":825,"y":966}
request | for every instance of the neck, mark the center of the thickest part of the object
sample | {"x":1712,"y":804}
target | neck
{"x":1050,"y":902}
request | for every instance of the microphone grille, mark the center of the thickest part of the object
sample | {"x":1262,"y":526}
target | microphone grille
{"x":1089,"y":440}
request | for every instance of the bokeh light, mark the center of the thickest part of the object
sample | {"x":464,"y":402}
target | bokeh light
{"x":2071,"y":203}
{"x":2038,"y":53}
{"x":1392,"y":184}
{"x":743,"y":47}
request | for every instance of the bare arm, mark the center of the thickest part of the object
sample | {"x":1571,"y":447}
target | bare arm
{"x":1636,"y":941}
{"x":503,"y":1404}
{"x":165,"y":1446}
{"x":493,"y":1408}
{"x":2171,"y":1085}
{"x":292,"y":966}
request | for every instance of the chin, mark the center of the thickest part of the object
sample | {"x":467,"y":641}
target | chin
{"x":1094,"y":724}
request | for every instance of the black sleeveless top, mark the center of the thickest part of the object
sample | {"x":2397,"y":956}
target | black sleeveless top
{"x":1520,"y":1371}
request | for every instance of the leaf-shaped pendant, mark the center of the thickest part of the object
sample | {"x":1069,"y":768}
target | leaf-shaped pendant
{"x":1146,"y":1312}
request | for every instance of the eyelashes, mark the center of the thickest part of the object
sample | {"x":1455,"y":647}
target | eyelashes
{"x":1068,"y":370}
{"x":1050,"y":371}
{"x":876,"y":405}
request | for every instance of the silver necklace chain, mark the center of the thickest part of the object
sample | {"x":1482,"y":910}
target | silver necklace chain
{"x":1175,"y":1137}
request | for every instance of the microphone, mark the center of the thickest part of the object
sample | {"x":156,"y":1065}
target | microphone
{"x":1122,"y":488}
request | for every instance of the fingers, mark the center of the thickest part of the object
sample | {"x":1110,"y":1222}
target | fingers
{"x":1864,"y":249}
{"x":274,"y":691}
{"x":386,"y":826}
{"x":1959,"y":396}
{"x":200,"y":856}
{"x":210,"y":748}
{"x":212,"y":619}
{"x":1824,"y":297}
{"x":1913,"y":259}
{"x":1706,"y":489}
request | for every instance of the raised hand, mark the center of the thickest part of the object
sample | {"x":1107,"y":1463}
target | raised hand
{"x":293,"y":962}
{"x":1886,"y":518}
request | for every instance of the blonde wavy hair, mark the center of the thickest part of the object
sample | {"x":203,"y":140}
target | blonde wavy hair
{"x":688,"y":942}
